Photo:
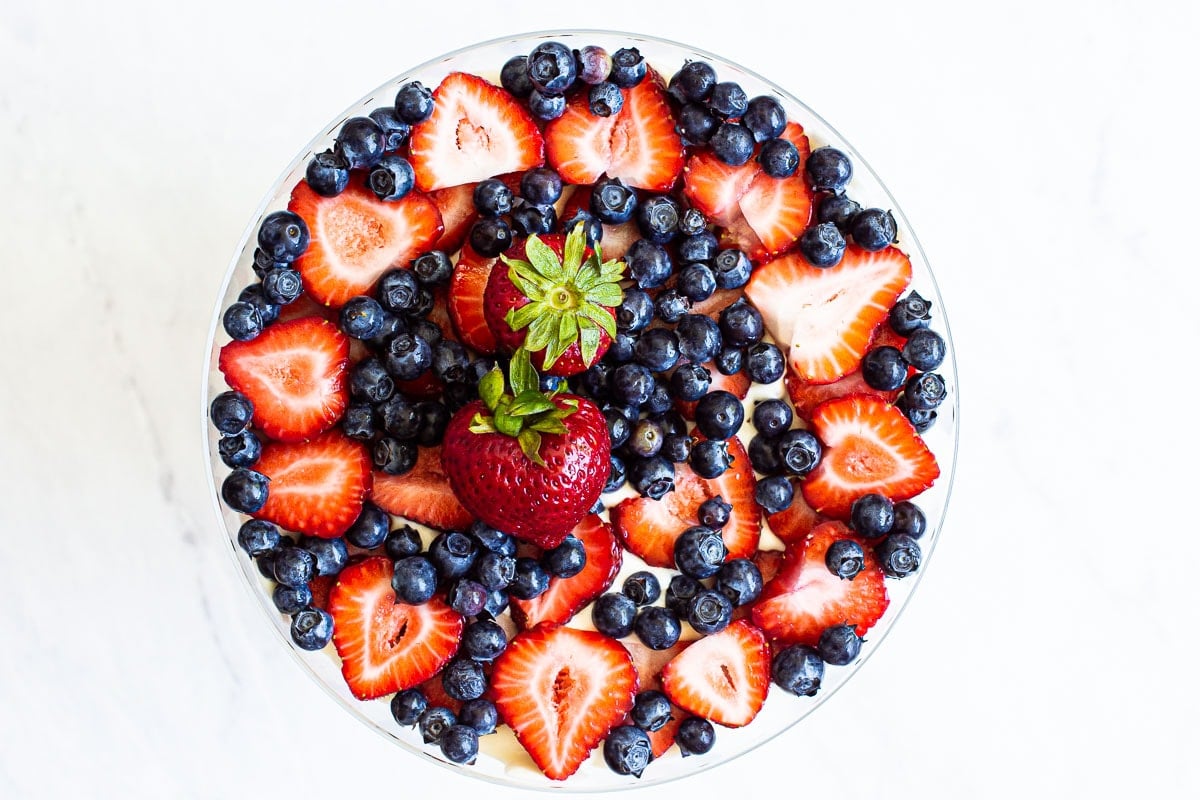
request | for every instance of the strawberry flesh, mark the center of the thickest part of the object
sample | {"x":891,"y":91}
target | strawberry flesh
{"x":723,"y":677}
{"x":467,"y":285}
{"x":566,"y":596}
{"x":422,"y":494}
{"x":317,"y":487}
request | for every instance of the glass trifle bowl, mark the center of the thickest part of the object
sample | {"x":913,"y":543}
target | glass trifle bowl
{"x":501,"y":757}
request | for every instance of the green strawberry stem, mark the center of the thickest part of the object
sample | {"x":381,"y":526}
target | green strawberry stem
{"x":525,"y":413}
{"x":567,"y":298}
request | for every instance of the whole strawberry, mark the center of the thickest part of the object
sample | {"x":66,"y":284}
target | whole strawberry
{"x":556,"y":299}
{"x":529,"y":463}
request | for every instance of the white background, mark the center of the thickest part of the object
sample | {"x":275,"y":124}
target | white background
{"x":1046,"y":155}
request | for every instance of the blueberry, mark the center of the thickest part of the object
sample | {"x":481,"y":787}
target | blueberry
{"x":490,"y":237}
{"x":371,"y":528}
{"x":652,"y":477}
{"x":392,"y":178}
{"x":671,"y":422}
{"x":772,"y":417}
{"x":844,"y":558}
{"x":359,"y":421}
{"x":628,"y":67}
{"x":593,"y":231}
{"x":484,"y":640}
{"x":370,"y":381}
{"x":689,"y":382}
{"x":414,"y":579}
{"x":613,"y":614}
{"x":450,"y":361}
{"x":597,"y":379}
{"x":635,"y":311}
{"x":245,"y":490}
{"x":394,"y":456}
{"x":514,"y":76}
{"x":695,"y":736}
{"x":651,"y":710}
{"x":497,"y":603}
{"x":645,"y":440}
{"x":294,"y":566}
{"x":395,"y":130}
{"x":480,"y":715}
{"x":693,"y":83}
{"x":266,"y":564}
{"x":327,"y":173}
{"x":732,"y":269}
{"x":739,"y":580}
{"x":531,"y":220}
{"x":613,"y":201}
{"x":677,"y":447}
{"x":657,"y":349}
{"x":530,"y":579}
{"x":719,"y":414}
{"x":290,"y":599}
{"x":839,"y":645}
{"x":884,"y":368}
{"x":492,"y":198}
{"x":399,"y":417}
{"x":408,"y":356}
{"x":659,"y":400}
{"x":283,"y":235}
{"x":732,"y":143}
{"x":467,"y":597}
{"x":253,"y":294}
{"x":729,"y":360}
{"x":632,"y":384}
{"x":495,"y":570}
{"x":839,"y":210}
{"x":710,"y":458}
{"x":908,"y":519}
{"x":453,"y":553}
{"x":924,"y":349}
{"x":627,"y":750}
{"x":714,"y":512}
{"x":621,"y":349}
{"x":282,"y":286}
{"x":330,"y":554}
{"x":242,"y":321}
{"x":799,"y":451}
{"x":728,"y":100}
{"x":829,"y":169}
{"x":360,"y":142}
{"x":692,"y":222}
{"x":765,"y":118}
{"x":434,"y":722}
{"x":231,"y":412}
{"x":764,"y":363}
{"x":701,"y":246}
{"x":552,"y":68}
{"x":546,"y":106}
{"x":873,"y":229}
{"x":872,"y":516}
{"x":407,"y":706}
{"x":924,"y":391}
{"x":909,"y":314}
{"x":618,"y":427}
{"x":641,"y":587}
{"x":695,"y":124}
{"x":657,"y":627}
{"x":899,"y":555}
{"x":541,"y":186}
{"x":709,"y":611}
{"x":774,"y":494}
{"x":658,"y":219}
{"x":605,"y":99}
{"x":493,"y":540}
{"x":680,"y":591}
{"x":398,"y":291}
{"x":648,"y":264}
{"x":697,"y":282}
{"x":798,"y":669}
{"x":567,"y":559}
{"x":434,"y":418}
{"x":263,"y":263}
{"x":592,"y":64}
{"x":921,"y":419}
{"x":671,"y":306}
{"x":822,"y":245}
{"x":699,"y":338}
{"x":779,"y":158}
{"x":311,"y":629}
{"x":463,"y":679}
{"x":257,"y":537}
{"x":361,"y":317}
{"x":403,"y":542}
{"x":741,"y":324}
{"x":764,"y":456}
{"x":414,"y":103}
{"x":699,"y":552}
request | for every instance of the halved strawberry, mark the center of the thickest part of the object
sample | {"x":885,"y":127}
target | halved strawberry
{"x":824,"y":318}
{"x":649,"y":527}
{"x":456,"y":204}
{"x":807,"y":396}
{"x":422,"y":494}
{"x":795,"y":522}
{"x":615,"y":240}
{"x":639,"y":145}
{"x":567,"y":595}
{"x":718,"y":302}
{"x":723,"y":677}
{"x":321,"y":586}
{"x":477,"y":130}
{"x":295,"y":374}
{"x":355,"y":237}
{"x":317,"y":487}
{"x":804,"y":598}
{"x":562,"y":690}
{"x":426,"y":387}
{"x":737,"y":384}
{"x":385,"y":644}
{"x":467,"y":284}
{"x":869,"y":447}
{"x":305,"y":306}
{"x":768,"y":563}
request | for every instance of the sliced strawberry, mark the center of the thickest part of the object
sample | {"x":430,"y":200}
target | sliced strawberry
{"x":807,"y":396}
{"x":422,"y":494}
{"x":795,"y":522}
{"x":869,"y":447}
{"x":639,"y":145}
{"x":562,"y":690}
{"x":649,"y":663}
{"x":738,"y":235}
{"x":385,"y":644}
{"x":824,"y":318}
{"x":305,"y":306}
{"x":477,"y":130}
{"x":425,"y":387}
{"x":615,"y":240}
{"x":718,"y":302}
{"x":456,"y":204}
{"x":737,"y":384}
{"x":355,"y":237}
{"x":805,"y":598}
{"x":435,"y":695}
{"x":294,"y":373}
{"x":768,"y":563}
{"x":321,"y":586}
{"x":467,"y":284}
{"x":567,"y":595}
{"x":649,"y":527}
{"x":317,"y":487}
{"x":723,"y":677}
{"x":715,"y":187}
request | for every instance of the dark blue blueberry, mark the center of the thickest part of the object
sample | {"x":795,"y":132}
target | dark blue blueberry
{"x":327,"y":173}
{"x":593,"y":231}
{"x":546,"y":106}
{"x":245,"y":490}
{"x":648,"y":263}
{"x":709,"y":611}
{"x":453,"y":553}
{"x":651,"y":710}
{"x":657,"y":349}
{"x":264,"y":263}
{"x":692,"y":222}
{"x":426,"y":329}
{"x":628,"y":67}
{"x":873,"y":229}
{"x":710,"y":458}
{"x":699,"y":552}
{"x":635,"y":311}
{"x":605,"y":99}
{"x":257,"y":536}
{"x":839,"y":645}
{"x":530,"y":579}
{"x":657,"y":627}
{"x":829,"y":169}
{"x":552,"y":67}
{"x":645,"y":440}
{"x":799,"y":451}
{"x":408,"y":356}
{"x":739,"y":580}
{"x":839,"y":210}
{"x":872,"y":516}
{"x":467,"y":597}
{"x":627,"y":750}
{"x":779,"y":158}
{"x":399,"y":417}
{"x":613,"y":201}
{"x":658,"y":219}
{"x":531,"y":220}
{"x":266,"y":564}
{"x":909,"y":314}
{"x":361,"y":317}
{"x":480,"y":715}
{"x":541,"y":186}
{"x":652,"y":477}
{"x":924,"y":391}
{"x":492,"y":197}
{"x":694,"y":82}
{"x":689,"y":382}
{"x":490,"y":237}
{"x":823,"y":245}
{"x":592,"y":64}
{"x":695,"y":736}
{"x":741,"y":324}
{"x":696,"y":124}
{"x":414,"y":579}
{"x":616,"y":474}
{"x":398,"y":291}
{"x":231,"y":412}
{"x":714,"y":512}
{"x":407,"y":706}
{"x":765,"y":118}
{"x":844,"y":558}
{"x":434,"y":418}
{"x":899,"y":555}
{"x":719,"y":414}
{"x":253,"y":295}
{"x":697,"y":282}
{"x":671,"y":306}
{"x":884,"y":368}
{"x":925,"y":349}
{"x":294,"y":566}
{"x":484,"y":640}
{"x":460,"y":744}
{"x":764,"y":363}
{"x":774,"y":494}
{"x":414,"y":102}
{"x":567,"y":559}
{"x":698,"y":247}
{"x":631,"y":384}
{"x":732,"y":269}
{"x":613,"y":614}
{"x":798,"y":669}
{"x":401,"y":543}
{"x":493,"y":540}
{"x":621,"y":349}
{"x":360,"y":142}
{"x":290,"y":599}
{"x":393,"y":456}
{"x":497,"y":603}
{"x":359,"y":422}
{"x":729,"y":360}
{"x":311,"y":629}
{"x":450,"y":361}
{"x":434,"y":722}
{"x":641,"y":587}
{"x":283,"y":235}
{"x":772,"y":417}
{"x":680,"y":591}
{"x":596,"y":380}
{"x":495,"y":570}
{"x":331,"y":554}
{"x":763,"y":455}
{"x":732,"y":143}
{"x":392,"y":178}
{"x":371,"y":527}
{"x":433,"y":268}
{"x":370,"y":381}
{"x":395,"y":130}
{"x":282,"y":286}
{"x":660,"y":398}
{"x":699,"y":338}
{"x":514,"y":76}
{"x":618,"y":427}
{"x":671,"y":422}
{"x":728,"y":100}
{"x":908,"y":519}
{"x":242,"y":321}
{"x":463,"y":679}
{"x":921,"y":419}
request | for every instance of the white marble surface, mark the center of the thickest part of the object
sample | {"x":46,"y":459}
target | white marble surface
{"x":1044,"y":152}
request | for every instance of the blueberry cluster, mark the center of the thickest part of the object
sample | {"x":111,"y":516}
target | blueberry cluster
{"x":887,"y":367}
{"x":838,"y":216}
{"x":543,"y":78}
{"x":282,"y":238}
{"x":504,"y":215}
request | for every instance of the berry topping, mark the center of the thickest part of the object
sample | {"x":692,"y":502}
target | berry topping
{"x":566,"y":596}
{"x":422,"y":494}
{"x":723,"y":677}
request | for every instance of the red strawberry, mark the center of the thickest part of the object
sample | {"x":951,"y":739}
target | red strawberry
{"x":321,"y":586}
{"x":562,"y":690}
{"x":824,"y":318}
{"x":807,"y":396}
{"x":639,"y":145}
{"x":768,"y":563}
{"x":294,"y":373}
{"x":439,"y":314}
{"x":796,"y":521}
{"x":737,"y":384}
{"x":718,"y":302}
{"x":477,"y":130}
{"x":435,"y":695}
{"x":317,"y":487}
{"x":869,"y":447}
{"x":649,"y":528}
{"x":723,"y":677}
{"x":385,"y":644}
{"x":456,"y":204}
{"x":305,"y":306}
{"x":422,"y":494}
{"x":804,"y":598}
{"x":355,"y":237}
{"x":467,"y":285}
{"x":567,"y":595}
{"x":425,"y":387}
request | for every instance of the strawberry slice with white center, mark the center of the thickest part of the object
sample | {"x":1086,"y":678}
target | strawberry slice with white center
{"x":355,"y":237}
{"x":804,"y":598}
{"x":562,"y":690}
{"x":467,"y":285}
{"x":385,"y":644}
{"x":566,"y":596}
{"x":650,"y":527}
{"x":823,"y":319}
{"x":422,"y":494}
{"x":796,"y":521}
{"x":807,"y":396}
{"x":649,"y":664}
{"x":723,"y":677}
{"x":477,"y":130}
{"x":456,"y":204}
{"x":639,"y":144}
{"x":870,"y":447}
{"x":317,"y":487}
{"x":295,"y":374}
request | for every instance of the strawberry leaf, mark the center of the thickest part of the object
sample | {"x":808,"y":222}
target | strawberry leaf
{"x":481,"y":424}
{"x":601,"y":317}
{"x":544,"y":260}
{"x":573,"y":252}
{"x":530,"y":402}
{"x":522,"y":375}
{"x":531,"y":443}
{"x":606,"y":294}
{"x":491,"y":387}
{"x":549,"y":424}
{"x":506,"y":424}
{"x":589,"y":340}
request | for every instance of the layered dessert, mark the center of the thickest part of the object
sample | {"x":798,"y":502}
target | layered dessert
{"x":577,"y":411}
